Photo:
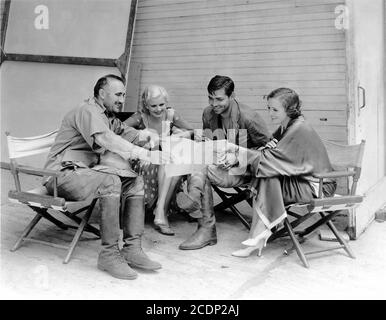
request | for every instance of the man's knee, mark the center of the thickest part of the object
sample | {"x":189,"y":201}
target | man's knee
{"x":222,"y":178}
{"x":133,"y":187}
{"x":111,"y":185}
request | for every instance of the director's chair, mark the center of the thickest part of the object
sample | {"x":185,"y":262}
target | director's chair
{"x":346,"y":161}
{"x":39,"y":200}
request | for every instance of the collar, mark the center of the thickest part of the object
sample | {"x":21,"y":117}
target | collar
{"x":96,"y":103}
{"x":103,"y":108}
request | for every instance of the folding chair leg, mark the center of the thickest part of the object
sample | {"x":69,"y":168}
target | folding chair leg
{"x":238,"y":214}
{"x":296,"y":243}
{"x":316,"y":225}
{"x":341,"y":240}
{"x":79,"y":232}
{"x":46,"y":215}
{"x":26,"y":231}
{"x":282,"y":231}
{"x":88,"y":227}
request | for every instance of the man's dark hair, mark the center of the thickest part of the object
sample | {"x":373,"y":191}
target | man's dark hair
{"x":220,"y":82}
{"x":103,"y":81}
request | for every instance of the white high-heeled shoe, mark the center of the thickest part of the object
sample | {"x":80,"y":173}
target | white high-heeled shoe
{"x":246,"y":252}
{"x":262,"y":237}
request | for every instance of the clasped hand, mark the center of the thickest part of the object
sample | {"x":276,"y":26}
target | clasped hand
{"x":225,"y":154}
{"x":151,"y":138}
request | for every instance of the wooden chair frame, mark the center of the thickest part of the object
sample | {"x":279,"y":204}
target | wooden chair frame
{"x":38,"y":199}
{"x":230,"y":199}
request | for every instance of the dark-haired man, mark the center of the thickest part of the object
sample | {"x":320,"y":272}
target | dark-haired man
{"x":86,"y":132}
{"x":224,"y":118}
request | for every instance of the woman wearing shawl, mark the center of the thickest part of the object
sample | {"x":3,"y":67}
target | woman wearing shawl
{"x":283,"y":168}
{"x":155,"y":117}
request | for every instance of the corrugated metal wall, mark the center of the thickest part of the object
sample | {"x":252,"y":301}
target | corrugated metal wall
{"x":261,"y":44}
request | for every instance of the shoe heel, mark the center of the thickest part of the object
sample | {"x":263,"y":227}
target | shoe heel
{"x":212,"y":242}
{"x":263,"y":246}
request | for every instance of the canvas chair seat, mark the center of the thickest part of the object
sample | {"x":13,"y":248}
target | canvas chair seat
{"x":39,"y":197}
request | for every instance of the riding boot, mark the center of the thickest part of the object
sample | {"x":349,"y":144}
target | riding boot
{"x":192,"y":199}
{"x":110,"y":258}
{"x":206,"y":230}
{"x":133,"y":220}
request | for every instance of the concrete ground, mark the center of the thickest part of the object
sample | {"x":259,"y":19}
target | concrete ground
{"x":36,"y":271}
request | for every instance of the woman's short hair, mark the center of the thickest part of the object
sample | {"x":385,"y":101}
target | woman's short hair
{"x":221,"y":82}
{"x":289,"y":100}
{"x":151,"y":92}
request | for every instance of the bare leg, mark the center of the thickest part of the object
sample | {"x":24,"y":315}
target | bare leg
{"x":166,"y":187}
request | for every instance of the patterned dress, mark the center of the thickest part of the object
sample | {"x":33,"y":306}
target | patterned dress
{"x":149,"y":171}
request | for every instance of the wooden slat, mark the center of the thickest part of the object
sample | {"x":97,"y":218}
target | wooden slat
{"x":229,"y":59}
{"x":169,"y":4}
{"x":207,"y":44}
{"x":261,"y":16}
{"x":251,"y":70}
{"x":168,"y":77}
{"x":152,"y":6}
{"x":260,"y":91}
{"x":204,"y":65}
{"x":211,"y":28}
{"x":247,"y":32}
{"x":232,"y":50}
{"x":301,"y":83}
{"x":299,"y":3}
{"x":219,"y":9}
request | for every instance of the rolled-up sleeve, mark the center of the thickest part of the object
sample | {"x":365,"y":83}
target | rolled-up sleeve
{"x":89,"y":123}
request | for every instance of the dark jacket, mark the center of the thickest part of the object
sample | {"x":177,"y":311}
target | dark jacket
{"x":242,"y":117}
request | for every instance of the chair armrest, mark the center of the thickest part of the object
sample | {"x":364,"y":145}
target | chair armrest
{"x":334,"y":203}
{"x":37,"y":172}
{"x":37,"y":200}
{"x":334,"y":174}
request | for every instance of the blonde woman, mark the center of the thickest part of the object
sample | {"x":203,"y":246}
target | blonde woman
{"x":154,"y":116}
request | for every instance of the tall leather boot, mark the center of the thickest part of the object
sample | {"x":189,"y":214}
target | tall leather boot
{"x":206,"y":231}
{"x":110,"y":258}
{"x":133,"y":225}
{"x":192,"y":199}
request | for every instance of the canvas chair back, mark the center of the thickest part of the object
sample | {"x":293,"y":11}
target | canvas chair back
{"x":346,"y":157}
{"x":28,"y":146}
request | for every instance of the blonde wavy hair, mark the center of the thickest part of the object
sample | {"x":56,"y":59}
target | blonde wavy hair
{"x":151,"y":92}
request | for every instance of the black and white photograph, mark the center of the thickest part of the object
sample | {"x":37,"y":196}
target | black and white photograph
{"x":191,"y":150}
